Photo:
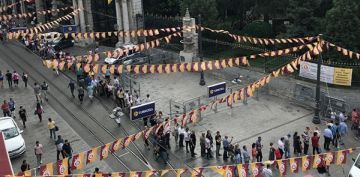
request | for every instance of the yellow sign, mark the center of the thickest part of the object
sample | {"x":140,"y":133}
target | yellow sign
{"x":342,"y":76}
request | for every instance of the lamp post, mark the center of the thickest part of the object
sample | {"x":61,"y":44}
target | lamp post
{"x":202,"y":79}
{"x":316,"y":118}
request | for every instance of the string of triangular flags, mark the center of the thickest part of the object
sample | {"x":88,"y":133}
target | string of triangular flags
{"x":190,"y":117}
{"x":88,"y":66}
{"x":262,"y":41}
{"x":30,"y":14}
{"x":42,"y":27}
{"x":345,"y":52}
{"x":4,"y":8}
{"x":285,"y":166}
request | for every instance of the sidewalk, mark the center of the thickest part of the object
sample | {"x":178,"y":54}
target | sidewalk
{"x":36,"y":131}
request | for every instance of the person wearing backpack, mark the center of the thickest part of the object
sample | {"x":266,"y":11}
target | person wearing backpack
{"x":38,"y":111}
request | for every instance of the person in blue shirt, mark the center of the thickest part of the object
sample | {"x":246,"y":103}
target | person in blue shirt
{"x":334,"y":131}
{"x":12,"y":106}
{"x":328,"y":137}
{"x":343,"y":130}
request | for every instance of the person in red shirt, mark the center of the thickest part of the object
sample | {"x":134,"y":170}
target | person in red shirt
{"x":315,"y":143}
{"x":5,"y":108}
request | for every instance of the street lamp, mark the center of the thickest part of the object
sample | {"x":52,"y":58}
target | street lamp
{"x":202,"y":79}
{"x":316,"y":118}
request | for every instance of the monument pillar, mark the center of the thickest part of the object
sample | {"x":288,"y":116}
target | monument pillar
{"x":39,"y":7}
{"x":190,"y":39}
{"x":126,"y":21}
{"x":119,"y":22}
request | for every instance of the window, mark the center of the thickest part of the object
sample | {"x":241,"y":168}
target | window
{"x":357,"y":163}
{"x":10,"y":133}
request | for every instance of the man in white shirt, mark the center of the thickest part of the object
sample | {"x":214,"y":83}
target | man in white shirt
{"x":187,"y":139}
{"x":342,"y":117}
{"x":281,"y":145}
{"x":181,"y":136}
{"x":267,"y":171}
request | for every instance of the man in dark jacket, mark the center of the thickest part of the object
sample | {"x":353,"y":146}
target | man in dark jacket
{"x":192,"y":143}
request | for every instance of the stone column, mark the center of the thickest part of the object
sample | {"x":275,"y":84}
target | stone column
{"x":22,"y":7}
{"x":14,"y":8}
{"x":54,"y":7}
{"x":119,"y":21}
{"x":76,"y":17}
{"x":39,"y":7}
{"x":126,"y":20}
{"x":82,"y":16}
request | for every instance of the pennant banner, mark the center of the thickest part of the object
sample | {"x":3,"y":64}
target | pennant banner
{"x":31,"y":14}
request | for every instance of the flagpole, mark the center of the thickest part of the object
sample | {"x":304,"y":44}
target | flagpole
{"x":202,"y":79}
{"x":316,"y":118}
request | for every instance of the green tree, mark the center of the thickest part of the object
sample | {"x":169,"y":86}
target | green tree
{"x":342,"y":24}
{"x":207,"y":9}
{"x":301,"y":14}
{"x":162,"y":7}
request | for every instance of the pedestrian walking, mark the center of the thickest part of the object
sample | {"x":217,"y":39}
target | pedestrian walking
{"x":203,"y":144}
{"x":12,"y":106}
{"x":44,"y":90}
{"x":306,"y":139}
{"x":192,"y":143}
{"x":25,"y":79}
{"x":90,"y":91}
{"x":52,"y":129}
{"x":328,"y":137}
{"x":71,"y":85}
{"x":81,"y":94}
{"x":9,"y":78}
{"x":67,"y":149}
{"x":37,"y":92}
{"x":39,"y":111}
{"x":23,"y":115}
{"x":24,"y":166}
{"x":15,"y":78}
{"x":334,"y":131}
{"x":39,"y":150}
{"x":59,"y":147}
{"x":5,"y":108}
{"x":315,"y":143}
{"x":259,"y":146}
{"x":1,"y":80}
{"x":218,"y":143}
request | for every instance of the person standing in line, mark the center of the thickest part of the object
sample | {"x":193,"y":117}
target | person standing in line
{"x":81,"y":94}
{"x":328,"y":137}
{"x":44,"y":90}
{"x":281,"y":146}
{"x":59,"y":147}
{"x":37,"y":92}
{"x":25,"y":79}
{"x":175,"y":133}
{"x":1,"y":80}
{"x":315,"y":143}
{"x":287,"y":146}
{"x":306,"y":140}
{"x":334,"y":131}
{"x":218,"y":143}
{"x":15,"y":78}
{"x":354,"y":119}
{"x":187,"y":139}
{"x":9,"y":78}
{"x":67,"y":149}
{"x":245,"y":155}
{"x":208,"y":148}
{"x":39,"y":150}
{"x":253,"y":152}
{"x":5,"y":108}
{"x":120,"y":96}
{"x":271,"y":152}
{"x":202,"y":145}
{"x":12,"y":106}
{"x":226,"y":145}
{"x":24,"y":166}
{"x":209,"y":136}
{"x":23,"y":115}
{"x":297,"y":144}
{"x":259,"y":147}
{"x":267,"y":172}
{"x":192,"y":143}
{"x":181,"y":136}
{"x":39,"y":110}
{"x":51,"y":127}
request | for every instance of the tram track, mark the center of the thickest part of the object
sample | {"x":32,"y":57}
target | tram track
{"x":85,"y":124}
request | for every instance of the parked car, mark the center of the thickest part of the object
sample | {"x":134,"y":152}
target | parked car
{"x":113,"y":61}
{"x":136,"y":59}
{"x":355,"y":169}
{"x":14,"y":142}
{"x":58,"y":40}
{"x":119,"y":59}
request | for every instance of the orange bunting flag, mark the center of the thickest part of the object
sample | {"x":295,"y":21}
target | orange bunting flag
{"x":127,"y":141}
{"x":341,"y":156}
{"x":306,"y":162}
{"x":104,"y":151}
{"x":282,"y":167}
{"x":318,"y":159}
{"x":180,"y":171}
{"x":255,"y":169}
{"x":294,"y":165}
{"x":163,"y":172}
{"x":77,"y":161}
{"x":197,"y":172}
{"x":91,"y":155}
{"x":243,"y":170}
{"x":115,"y":146}
{"x":62,"y":166}
{"x":329,"y":158}
{"x":150,"y":173}
{"x":46,"y":170}
{"x":135,"y":174}
{"x":229,"y":171}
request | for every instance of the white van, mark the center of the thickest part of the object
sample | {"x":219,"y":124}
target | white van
{"x":355,"y":169}
{"x":14,"y":142}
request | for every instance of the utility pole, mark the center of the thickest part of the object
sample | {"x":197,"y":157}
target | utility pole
{"x":316,"y":118}
{"x":202,"y":79}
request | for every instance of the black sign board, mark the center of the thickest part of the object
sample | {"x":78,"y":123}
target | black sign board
{"x":217,"y":89}
{"x":141,"y":111}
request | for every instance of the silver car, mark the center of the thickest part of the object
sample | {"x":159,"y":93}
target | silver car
{"x":14,"y":142}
